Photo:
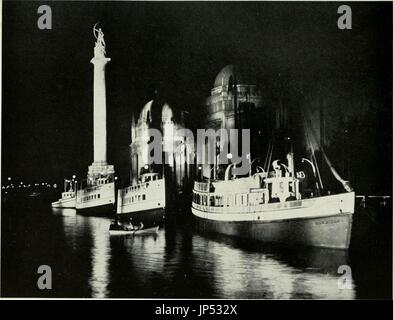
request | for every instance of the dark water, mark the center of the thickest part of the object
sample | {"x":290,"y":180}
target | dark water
{"x":181,"y":262}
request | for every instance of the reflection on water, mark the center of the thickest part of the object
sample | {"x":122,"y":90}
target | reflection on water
{"x":68,"y":212}
{"x":100,"y":254}
{"x":261,"y":275}
{"x":177,"y":262}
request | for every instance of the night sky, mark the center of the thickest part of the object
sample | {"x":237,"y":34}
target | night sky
{"x":176,"y":49}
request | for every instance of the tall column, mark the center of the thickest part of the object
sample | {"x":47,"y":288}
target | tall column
{"x":99,"y":168}
{"x":99,"y":61}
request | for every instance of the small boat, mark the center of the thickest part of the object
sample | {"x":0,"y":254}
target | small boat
{"x":68,"y":197}
{"x":122,"y":229}
{"x":36,"y":194}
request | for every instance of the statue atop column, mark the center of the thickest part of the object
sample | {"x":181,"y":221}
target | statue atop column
{"x":99,"y":49}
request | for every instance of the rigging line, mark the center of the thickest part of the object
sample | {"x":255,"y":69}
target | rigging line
{"x":269,"y":150}
{"x":267,"y":156}
{"x":318,"y":173}
{"x":307,"y":127}
{"x":270,"y":159}
{"x":344,"y":183}
{"x":270,"y":154}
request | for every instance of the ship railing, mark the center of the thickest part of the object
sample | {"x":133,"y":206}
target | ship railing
{"x":213,"y":199}
{"x":87,"y":189}
{"x":68,"y":194}
{"x":139,"y":187}
{"x":382,"y":199}
{"x":224,"y":209}
{"x":201,"y":186}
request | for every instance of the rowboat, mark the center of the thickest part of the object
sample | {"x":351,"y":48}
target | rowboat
{"x":116,"y":229}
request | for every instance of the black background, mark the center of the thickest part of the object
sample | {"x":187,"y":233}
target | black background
{"x":177,"y":49}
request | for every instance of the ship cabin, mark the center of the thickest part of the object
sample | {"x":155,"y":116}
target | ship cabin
{"x":69,"y":191}
{"x":149,"y":189}
{"x":68,"y":194}
{"x":261,"y":188}
{"x":146,"y":177}
{"x":102,"y":181}
{"x":92,"y":183}
{"x":94,"y":188}
{"x":283,"y":187}
{"x":140,"y":191}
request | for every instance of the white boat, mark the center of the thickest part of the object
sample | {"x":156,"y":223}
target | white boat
{"x":68,"y":197}
{"x":97,"y":198}
{"x":144,"y":201}
{"x":269,"y":207}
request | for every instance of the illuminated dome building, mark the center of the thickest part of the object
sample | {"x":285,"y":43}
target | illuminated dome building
{"x":234,"y":93}
{"x":236,"y":102}
{"x":159,"y":116}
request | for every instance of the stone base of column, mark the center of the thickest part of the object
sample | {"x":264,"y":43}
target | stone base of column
{"x":100,"y":169}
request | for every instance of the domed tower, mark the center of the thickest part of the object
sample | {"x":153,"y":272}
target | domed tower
{"x":158,"y":116}
{"x":234,"y":92}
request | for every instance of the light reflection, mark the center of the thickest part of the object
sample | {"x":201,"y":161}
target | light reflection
{"x":71,"y":227}
{"x":68,"y":212}
{"x":100,"y":254}
{"x":166,"y":264}
{"x":240,"y":274}
{"x":146,"y":250}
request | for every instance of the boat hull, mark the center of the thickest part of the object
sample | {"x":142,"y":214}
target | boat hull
{"x":320,"y":222}
{"x":64,"y":203}
{"x":145,"y":231}
{"x":101,"y":210}
{"x":97,"y":200}
{"x":328,"y":232}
